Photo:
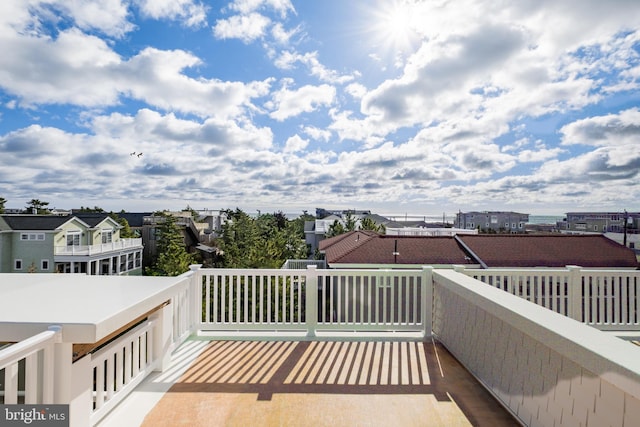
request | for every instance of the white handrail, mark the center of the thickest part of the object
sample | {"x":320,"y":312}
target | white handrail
{"x":28,"y":350}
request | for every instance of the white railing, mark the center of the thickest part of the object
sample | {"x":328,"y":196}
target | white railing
{"x":374,"y":300}
{"x":606,"y":299}
{"x":98,"y":249}
{"x":118,"y":368}
{"x":314,"y":301}
{"x":36,"y":355}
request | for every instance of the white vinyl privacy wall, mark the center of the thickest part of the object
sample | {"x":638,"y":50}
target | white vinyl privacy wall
{"x":546,"y":368}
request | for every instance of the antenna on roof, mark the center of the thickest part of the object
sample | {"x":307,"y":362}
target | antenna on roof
{"x":395,"y":252}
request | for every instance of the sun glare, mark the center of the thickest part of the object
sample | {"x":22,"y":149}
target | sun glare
{"x":397,"y":22}
{"x":393,"y":25}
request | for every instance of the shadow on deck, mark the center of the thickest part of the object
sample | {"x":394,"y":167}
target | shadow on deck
{"x":326,"y":383}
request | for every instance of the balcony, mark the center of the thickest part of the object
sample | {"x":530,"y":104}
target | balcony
{"x":104,"y":248}
{"x":426,"y":347}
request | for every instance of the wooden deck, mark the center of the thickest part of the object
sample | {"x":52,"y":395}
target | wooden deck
{"x":326,"y":383}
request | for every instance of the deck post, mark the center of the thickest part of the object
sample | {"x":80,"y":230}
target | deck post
{"x":427,"y":302}
{"x":311,"y":300}
{"x":162,"y":336}
{"x":195,"y":309}
{"x":73,"y":384}
{"x":574,"y":293}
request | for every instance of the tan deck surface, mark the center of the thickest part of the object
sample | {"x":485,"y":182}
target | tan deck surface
{"x":325,"y":383}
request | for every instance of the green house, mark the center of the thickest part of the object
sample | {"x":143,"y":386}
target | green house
{"x":79,"y":243}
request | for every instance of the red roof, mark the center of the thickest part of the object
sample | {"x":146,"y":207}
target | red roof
{"x":560,"y":250}
{"x":508,"y":251}
{"x":359,"y":247}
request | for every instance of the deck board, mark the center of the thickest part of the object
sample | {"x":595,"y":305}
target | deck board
{"x":328,"y":383}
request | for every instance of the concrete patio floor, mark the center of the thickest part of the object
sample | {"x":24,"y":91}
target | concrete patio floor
{"x":317,"y":383}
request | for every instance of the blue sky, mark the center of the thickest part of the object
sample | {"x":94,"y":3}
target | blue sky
{"x":417,"y":107}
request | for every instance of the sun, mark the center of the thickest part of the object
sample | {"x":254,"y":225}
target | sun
{"x":393,"y":25}
{"x":396,"y":22}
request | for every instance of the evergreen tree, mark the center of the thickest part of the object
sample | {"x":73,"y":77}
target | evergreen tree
{"x":38,"y":207}
{"x":2,"y":202}
{"x":368,"y":224}
{"x":173,"y":258}
{"x":335,"y":229}
{"x":125,"y":231}
{"x":95,"y":209}
{"x":266,"y":241}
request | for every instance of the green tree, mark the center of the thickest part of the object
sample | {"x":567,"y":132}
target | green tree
{"x":2,"y":202}
{"x":262,"y":242}
{"x":94,"y":209}
{"x":173,"y":258}
{"x":38,"y":206}
{"x":125,"y":232}
{"x":367,"y":223}
{"x":350,"y":223}
{"x":335,"y":229}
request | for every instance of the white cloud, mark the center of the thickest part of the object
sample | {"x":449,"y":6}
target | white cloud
{"x":356,"y":90}
{"x":295,"y":143}
{"x":107,"y":16}
{"x":287,"y":59}
{"x":317,"y":133}
{"x":281,"y":35}
{"x":191,"y":13}
{"x":249,"y":6}
{"x":610,"y":130}
{"x":75,"y":68}
{"x":289,"y":103}
{"x":244,"y":27}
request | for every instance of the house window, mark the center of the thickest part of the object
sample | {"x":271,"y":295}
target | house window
{"x":17,"y":264}
{"x":513,"y":225}
{"x":107,"y":236}
{"x":32,"y":236}
{"x":73,"y":238}
{"x":44,"y":265}
{"x":595,"y":228}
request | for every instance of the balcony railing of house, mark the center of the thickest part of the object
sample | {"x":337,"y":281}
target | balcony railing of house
{"x":99,"y":249}
{"x":543,"y":366}
{"x":606,"y":299}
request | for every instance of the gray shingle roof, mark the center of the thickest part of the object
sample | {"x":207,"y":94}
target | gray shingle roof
{"x":35,"y":222}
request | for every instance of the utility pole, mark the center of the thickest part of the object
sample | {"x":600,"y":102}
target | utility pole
{"x":626,"y":216}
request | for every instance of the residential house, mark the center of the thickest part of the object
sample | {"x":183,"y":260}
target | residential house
{"x":493,"y":221}
{"x":81,"y":243}
{"x":602,"y":222}
{"x":193,"y":232}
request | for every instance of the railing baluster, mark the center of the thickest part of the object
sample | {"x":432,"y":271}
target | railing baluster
{"x":246,"y":299}
{"x":207,"y":299}
{"x":109,"y":377}
{"x":31,"y":379}
{"x":99,"y":385}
